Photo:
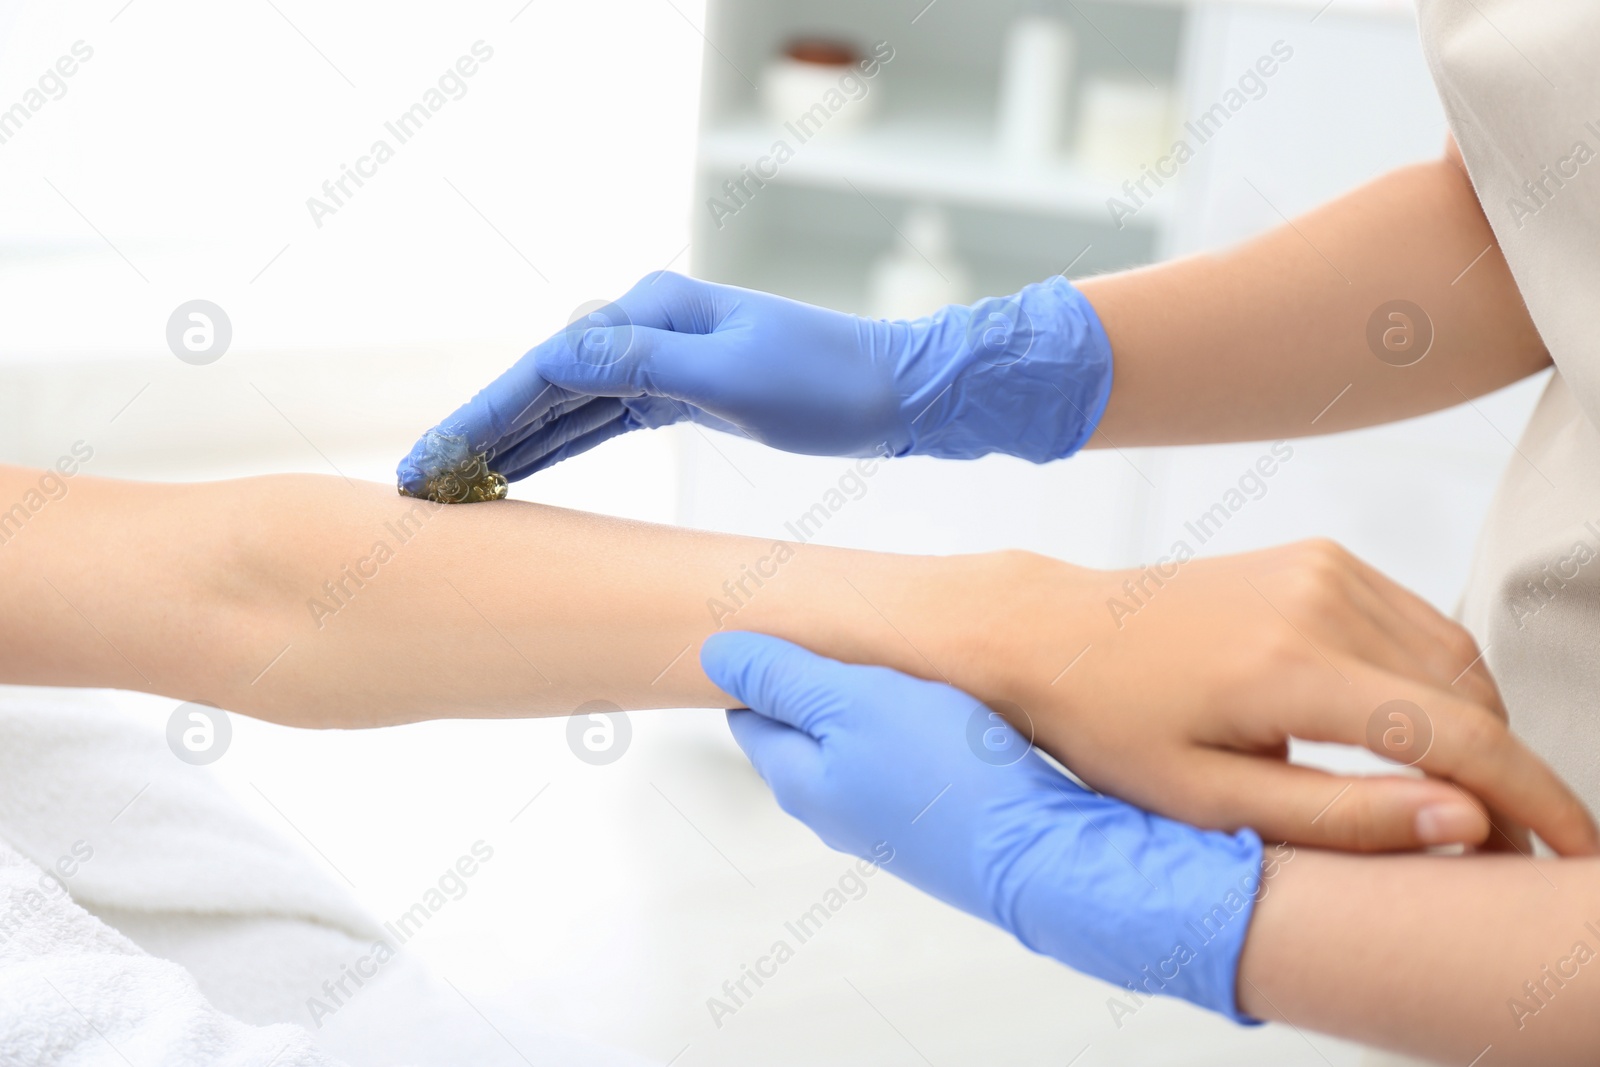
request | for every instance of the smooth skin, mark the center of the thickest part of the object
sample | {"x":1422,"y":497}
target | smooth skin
{"x":314,"y":601}
{"x":1257,"y":341}
{"x":1449,"y":958}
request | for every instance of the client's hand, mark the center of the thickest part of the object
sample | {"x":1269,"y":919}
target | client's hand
{"x":916,"y":776}
{"x":1178,"y":689}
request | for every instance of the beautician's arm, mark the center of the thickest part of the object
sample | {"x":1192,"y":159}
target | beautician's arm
{"x":1256,"y":342}
{"x":1291,"y":334}
{"x":1431,"y":955}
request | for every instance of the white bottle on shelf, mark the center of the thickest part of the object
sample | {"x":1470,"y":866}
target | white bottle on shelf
{"x":920,"y":274}
{"x":1035,"y":87}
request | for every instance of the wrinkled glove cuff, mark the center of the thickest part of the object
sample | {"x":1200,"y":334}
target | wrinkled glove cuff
{"x":1178,"y":932}
{"x":1028,"y":375}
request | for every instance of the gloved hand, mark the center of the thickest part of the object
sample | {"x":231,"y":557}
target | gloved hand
{"x":1028,"y":375}
{"x":880,"y":764}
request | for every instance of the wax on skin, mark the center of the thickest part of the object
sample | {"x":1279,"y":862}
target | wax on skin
{"x":454,"y":474}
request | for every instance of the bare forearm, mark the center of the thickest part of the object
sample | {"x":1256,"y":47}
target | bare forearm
{"x":317,"y":601}
{"x":1440,"y":957}
{"x":1257,"y":342}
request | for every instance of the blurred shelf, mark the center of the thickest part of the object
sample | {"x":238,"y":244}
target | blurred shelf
{"x":936,"y":159}
{"x":1406,"y":8}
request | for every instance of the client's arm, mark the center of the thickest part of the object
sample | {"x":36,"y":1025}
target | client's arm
{"x":314,"y":601}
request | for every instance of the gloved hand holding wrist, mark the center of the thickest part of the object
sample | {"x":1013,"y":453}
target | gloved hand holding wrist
{"x":883,"y":765}
{"x":1027,"y":375}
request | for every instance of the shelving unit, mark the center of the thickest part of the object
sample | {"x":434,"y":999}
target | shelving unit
{"x":949,"y":161}
{"x":836,"y":205}
{"x":813,"y":231}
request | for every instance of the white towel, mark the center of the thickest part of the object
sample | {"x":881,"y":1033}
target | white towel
{"x":230,"y":929}
{"x":75,"y":991}
{"x":166,"y":838}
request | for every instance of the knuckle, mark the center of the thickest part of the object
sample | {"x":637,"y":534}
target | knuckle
{"x":1461,"y":644}
{"x":1366,"y":832}
{"x":1272,"y":654}
{"x":1316,"y":585}
{"x":1479,"y":732}
{"x":1315,"y":593}
{"x":1357,"y":824}
{"x":653,"y":289}
{"x":1278,"y":650}
{"x":667,"y":284}
{"x":1198,"y":802}
{"x":1019,"y":562}
{"x":1482,"y":691}
{"x":1324,"y":553}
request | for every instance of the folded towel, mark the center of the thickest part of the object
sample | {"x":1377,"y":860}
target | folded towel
{"x":75,"y":991}
{"x":166,"y":836}
{"x":144,"y":913}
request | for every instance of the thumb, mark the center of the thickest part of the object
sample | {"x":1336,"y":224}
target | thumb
{"x":779,"y":680}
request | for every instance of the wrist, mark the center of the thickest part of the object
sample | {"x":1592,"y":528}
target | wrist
{"x":965,"y":620}
{"x":907,"y":613}
{"x":1009,"y":623}
{"x":1028,"y":375}
{"x":1028,"y":619}
{"x":1273,"y":947}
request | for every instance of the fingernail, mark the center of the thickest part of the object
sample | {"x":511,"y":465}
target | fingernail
{"x":1448,"y":824}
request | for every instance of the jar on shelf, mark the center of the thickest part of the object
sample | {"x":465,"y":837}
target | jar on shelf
{"x":816,"y":84}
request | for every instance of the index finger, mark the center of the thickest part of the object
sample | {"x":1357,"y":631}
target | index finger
{"x":1448,"y":737}
{"x":521,"y":400}
{"x":1478,"y":750}
{"x":517,"y":404}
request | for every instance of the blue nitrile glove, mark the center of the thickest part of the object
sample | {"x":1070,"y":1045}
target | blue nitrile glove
{"x":880,"y":764}
{"x":1028,"y":375}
